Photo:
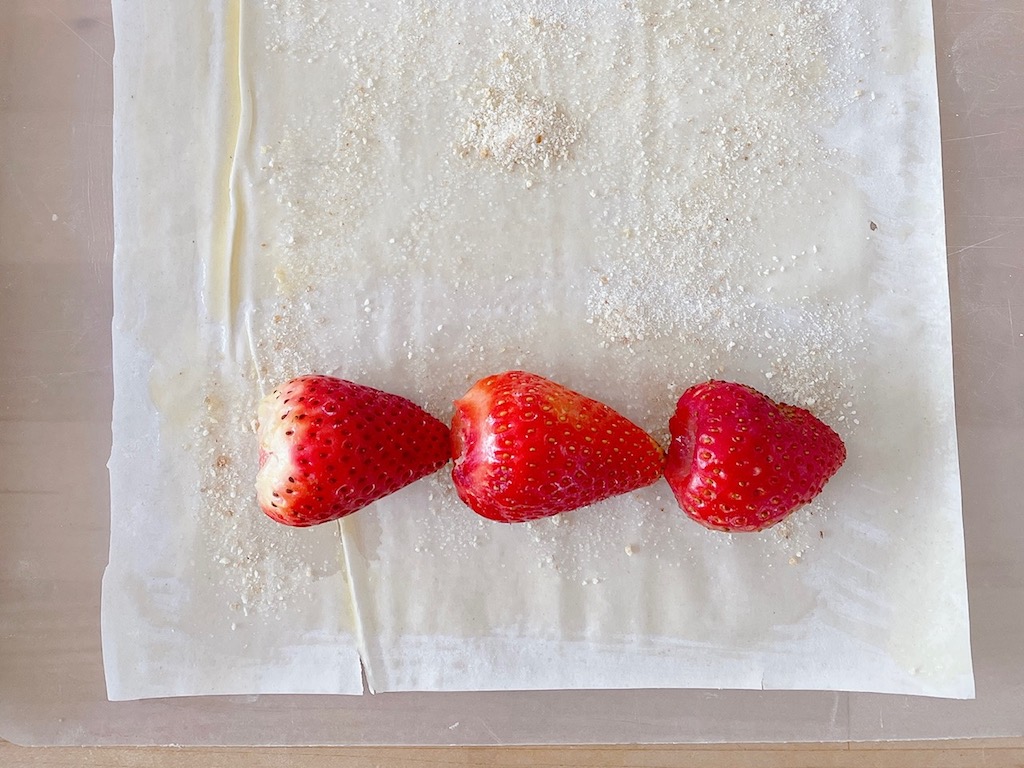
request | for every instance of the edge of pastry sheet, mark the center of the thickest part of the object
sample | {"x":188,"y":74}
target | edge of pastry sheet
{"x":166,"y":625}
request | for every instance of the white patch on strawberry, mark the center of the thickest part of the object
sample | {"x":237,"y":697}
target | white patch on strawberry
{"x":275,"y":447}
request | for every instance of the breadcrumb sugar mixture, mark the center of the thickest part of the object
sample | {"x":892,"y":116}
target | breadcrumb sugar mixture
{"x":727,"y":142}
{"x":513,"y":129}
{"x":261,"y":562}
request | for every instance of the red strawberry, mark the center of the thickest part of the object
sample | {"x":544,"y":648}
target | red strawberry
{"x":526,"y":447}
{"x":329,"y":447}
{"x":739,"y":461}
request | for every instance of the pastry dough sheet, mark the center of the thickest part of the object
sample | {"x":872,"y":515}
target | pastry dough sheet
{"x":626,"y":197}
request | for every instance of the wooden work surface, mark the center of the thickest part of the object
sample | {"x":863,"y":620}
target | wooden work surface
{"x":992,"y":753}
{"x":51,"y":681}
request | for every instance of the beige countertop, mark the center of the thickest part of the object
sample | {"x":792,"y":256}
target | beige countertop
{"x":995,"y":753}
{"x":56,"y":240}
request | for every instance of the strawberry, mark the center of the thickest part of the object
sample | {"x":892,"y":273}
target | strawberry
{"x":739,"y":461}
{"x":329,"y":447}
{"x":526,"y":447}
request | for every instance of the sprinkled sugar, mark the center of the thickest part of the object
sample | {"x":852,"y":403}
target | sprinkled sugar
{"x":691,"y":276}
{"x":513,"y":129}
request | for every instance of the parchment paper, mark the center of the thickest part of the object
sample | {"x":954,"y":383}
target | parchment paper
{"x":628,"y":198}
